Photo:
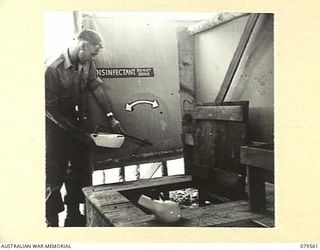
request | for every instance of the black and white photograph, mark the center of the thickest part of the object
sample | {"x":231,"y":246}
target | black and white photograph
{"x":159,"y":124}
{"x":159,"y":119}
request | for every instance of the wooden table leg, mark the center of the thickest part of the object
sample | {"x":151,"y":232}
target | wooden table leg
{"x":257,"y":191}
{"x":164,"y":172}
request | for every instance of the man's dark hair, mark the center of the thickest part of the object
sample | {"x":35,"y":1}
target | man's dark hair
{"x":91,"y":36}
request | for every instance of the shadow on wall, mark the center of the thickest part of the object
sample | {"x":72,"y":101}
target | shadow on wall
{"x":254,"y":81}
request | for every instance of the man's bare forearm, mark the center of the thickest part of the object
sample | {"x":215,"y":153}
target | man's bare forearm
{"x":102,"y":99}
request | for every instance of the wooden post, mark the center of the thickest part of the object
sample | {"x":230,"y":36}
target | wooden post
{"x":186,"y":46}
{"x":122,"y":177}
{"x":164,"y":168}
{"x":138,"y":171}
{"x":152,"y":170}
{"x":214,"y":21}
{"x":236,"y":58}
{"x":164,"y":172}
{"x":259,"y":158}
{"x":103,"y":176}
{"x":257,"y":191}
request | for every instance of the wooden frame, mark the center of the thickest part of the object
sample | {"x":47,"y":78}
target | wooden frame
{"x":116,"y":205}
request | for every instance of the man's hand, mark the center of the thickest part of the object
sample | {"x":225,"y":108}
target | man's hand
{"x":116,"y":127}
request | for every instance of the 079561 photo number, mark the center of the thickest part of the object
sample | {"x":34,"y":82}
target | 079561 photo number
{"x":308,"y":246}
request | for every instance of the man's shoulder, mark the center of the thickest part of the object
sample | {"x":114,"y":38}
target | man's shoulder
{"x":55,"y":61}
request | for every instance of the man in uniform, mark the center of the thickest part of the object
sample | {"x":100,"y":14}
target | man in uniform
{"x":69,"y":79}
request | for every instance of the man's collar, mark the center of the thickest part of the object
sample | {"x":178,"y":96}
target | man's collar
{"x":67,"y":61}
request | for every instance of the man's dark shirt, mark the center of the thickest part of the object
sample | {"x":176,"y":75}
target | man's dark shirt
{"x":64,"y":85}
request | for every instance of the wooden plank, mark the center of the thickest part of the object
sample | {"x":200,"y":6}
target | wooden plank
{"x":186,"y":44}
{"x":135,"y":221}
{"x":98,"y":201}
{"x":113,"y":209}
{"x":125,"y":214}
{"x":175,"y":181}
{"x":205,"y":142}
{"x":233,"y":103}
{"x":236,"y":137}
{"x":265,"y":221}
{"x":236,"y":58}
{"x":244,"y":223}
{"x":215,"y":20}
{"x":219,"y":177}
{"x":101,"y":199}
{"x":217,"y":144}
{"x":188,"y":142}
{"x":101,"y":164}
{"x":220,"y":131}
{"x":161,"y":182}
{"x":216,"y":154}
{"x":207,"y":216}
{"x":213,"y":215}
{"x":270,"y":196}
{"x":257,"y":156}
{"x":221,"y":112}
{"x":94,"y":218}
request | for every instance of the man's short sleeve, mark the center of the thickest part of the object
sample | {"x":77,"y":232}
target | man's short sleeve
{"x":93,"y":80}
{"x":51,"y":87}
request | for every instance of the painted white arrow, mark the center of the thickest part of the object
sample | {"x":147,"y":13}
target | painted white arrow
{"x":129,"y":106}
